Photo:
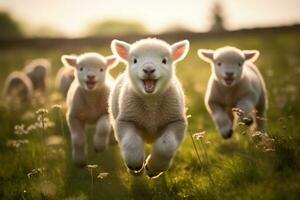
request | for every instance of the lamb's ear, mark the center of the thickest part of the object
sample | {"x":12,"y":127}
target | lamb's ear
{"x":180,"y":50}
{"x":251,"y":55}
{"x":120,"y":49}
{"x":69,"y":60}
{"x":111,"y":61}
{"x":206,"y":55}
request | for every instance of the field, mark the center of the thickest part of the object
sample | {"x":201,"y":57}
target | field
{"x":37,"y":164}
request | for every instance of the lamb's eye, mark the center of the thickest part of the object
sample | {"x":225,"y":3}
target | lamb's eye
{"x":134,"y":61}
{"x":240,"y":64}
{"x":164,"y":61}
{"x":101,"y":69}
{"x":81,"y":68}
{"x":219,"y":64}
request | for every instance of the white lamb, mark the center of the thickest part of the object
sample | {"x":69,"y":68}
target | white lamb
{"x":38,"y":70}
{"x":235,"y":82}
{"x":87,"y":101}
{"x":147,"y":104}
{"x":18,"y":87}
{"x":64,"y":79}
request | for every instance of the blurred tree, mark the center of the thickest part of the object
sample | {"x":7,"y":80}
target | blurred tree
{"x":115,"y":27}
{"x":176,"y":28}
{"x":43,"y":31}
{"x":9,"y":27}
{"x":217,"y":18}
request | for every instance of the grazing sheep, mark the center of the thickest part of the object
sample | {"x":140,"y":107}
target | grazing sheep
{"x":37,"y":70}
{"x":235,"y":82}
{"x":87,"y":101}
{"x":64,"y":78}
{"x":18,"y":86}
{"x":147,"y":103}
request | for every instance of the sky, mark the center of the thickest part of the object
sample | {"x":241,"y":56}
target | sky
{"x":72,"y":17}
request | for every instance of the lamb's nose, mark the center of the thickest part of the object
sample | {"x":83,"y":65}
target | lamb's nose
{"x":91,"y":77}
{"x":149,"y":70}
{"x":229,"y":74}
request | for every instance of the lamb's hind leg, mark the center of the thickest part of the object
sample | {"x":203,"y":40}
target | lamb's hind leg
{"x":164,"y":149}
{"x":261,"y":117}
{"x":101,"y":136}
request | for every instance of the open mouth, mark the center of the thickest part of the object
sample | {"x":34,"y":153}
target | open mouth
{"x":90,"y":84}
{"x":228,"y":81}
{"x":149,"y":85}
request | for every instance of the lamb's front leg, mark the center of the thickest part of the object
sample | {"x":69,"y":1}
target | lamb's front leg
{"x":78,"y":140}
{"x":101,"y":136}
{"x":222,"y":120}
{"x":131,"y":145}
{"x":247,"y":106}
{"x":164,"y":149}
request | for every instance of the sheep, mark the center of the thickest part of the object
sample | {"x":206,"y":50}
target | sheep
{"x":37,"y":70}
{"x":18,"y":87}
{"x":147,"y":104}
{"x":87,"y":101}
{"x":64,"y":78}
{"x":235,"y":83}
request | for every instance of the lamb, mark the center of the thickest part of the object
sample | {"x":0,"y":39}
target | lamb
{"x":87,"y":101}
{"x":64,"y":79}
{"x":235,"y":83}
{"x":18,"y":87}
{"x":147,"y":104}
{"x":37,"y":70}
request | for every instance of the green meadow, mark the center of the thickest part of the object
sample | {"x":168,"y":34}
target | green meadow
{"x":35,"y":158}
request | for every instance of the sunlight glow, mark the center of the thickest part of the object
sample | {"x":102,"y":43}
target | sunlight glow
{"x":73,"y":16}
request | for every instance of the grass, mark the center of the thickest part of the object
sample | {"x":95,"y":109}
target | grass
{"x":233,"y":169}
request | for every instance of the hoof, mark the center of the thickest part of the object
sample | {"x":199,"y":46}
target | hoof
{"x":80,"y":164}
{"x":152,"y":175}
{"x":135,"y":168}
{"x":136,"y":171}
{"x":228,"y":134}
{"x":247,"y":120}
{"x":79,"y":159}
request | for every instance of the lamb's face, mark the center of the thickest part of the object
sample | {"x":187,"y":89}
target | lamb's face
{"x":228,"y":67}
{"x":150,"y":63}
{"x":91,"y":72}
{"x":227,"y":63}
{"x":91,"y":69}
{"x":150,"y":68}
